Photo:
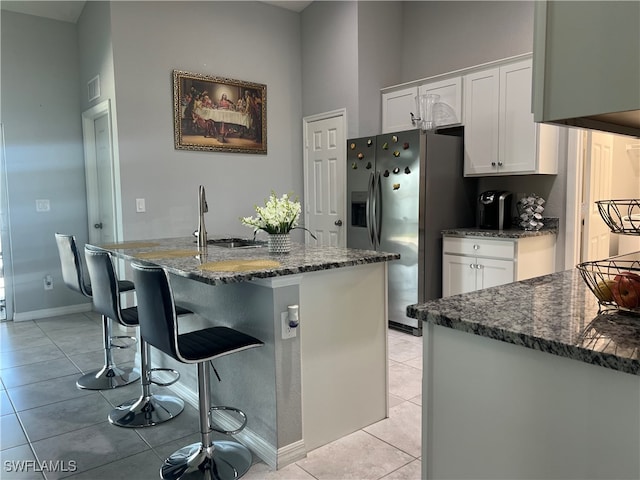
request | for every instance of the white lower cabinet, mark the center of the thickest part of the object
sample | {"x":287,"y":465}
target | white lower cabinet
{"x":465,"y":274}
{"x":474,"y":263}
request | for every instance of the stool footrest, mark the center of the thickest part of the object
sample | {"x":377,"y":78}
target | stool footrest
{"x":240,"y":413}
{"x":164,"y":384}
{"x":124,"y":345}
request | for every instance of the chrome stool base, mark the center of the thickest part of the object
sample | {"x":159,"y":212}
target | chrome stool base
{"x":223,"y":460}
{"x":146,"y":411}
{"x":107,"y":378}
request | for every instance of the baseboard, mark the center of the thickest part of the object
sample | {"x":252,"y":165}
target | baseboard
{"x":52,"y":312}
{"x":291,"y":453}
{"x":275,"y":458}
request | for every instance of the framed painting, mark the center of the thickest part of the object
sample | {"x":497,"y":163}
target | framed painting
{"x":219,"y":114}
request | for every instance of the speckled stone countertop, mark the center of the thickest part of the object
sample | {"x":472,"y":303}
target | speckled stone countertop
{"x":554,"y":313}
{"x":550,"y":228}
{"x":175,"y":255}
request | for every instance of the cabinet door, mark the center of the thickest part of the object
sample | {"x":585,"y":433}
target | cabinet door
{"x":396,"y":109}
{"x":491,"y":273}
{"x":481,"y":98}
{"x":458,"y":274}
{"x":517,"y":130}
{"x":450,"y":92}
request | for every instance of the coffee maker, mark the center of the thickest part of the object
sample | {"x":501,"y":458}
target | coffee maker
{"x":494,"y":210}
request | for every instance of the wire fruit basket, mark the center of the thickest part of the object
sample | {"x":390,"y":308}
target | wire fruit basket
{"x":621,"y":216}
{"x":615,"y":283}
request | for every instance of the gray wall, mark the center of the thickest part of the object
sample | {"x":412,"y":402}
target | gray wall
{"x":441,"y":37}
{"x":96,"y":54}
{"x":241,"y":40}
{"x":350,"y":50}
{"x":380,"y":48}
{"x":330,"y":60}
{"x":40,"y":113}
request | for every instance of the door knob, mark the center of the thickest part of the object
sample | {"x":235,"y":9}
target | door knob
{"x":97,"y":225}
{"x":338,"y":223}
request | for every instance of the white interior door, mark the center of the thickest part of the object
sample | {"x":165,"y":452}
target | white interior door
{"x":597,"y":186}
{"x":325,"y":178}
{"x":98,"y":146}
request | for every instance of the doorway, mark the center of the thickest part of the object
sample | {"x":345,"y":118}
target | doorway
{"x":325,"y":177}
{"x":601,"y":166}
{"x":100,"y":171}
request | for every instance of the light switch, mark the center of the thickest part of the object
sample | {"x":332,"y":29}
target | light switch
{"x":140,"y":205}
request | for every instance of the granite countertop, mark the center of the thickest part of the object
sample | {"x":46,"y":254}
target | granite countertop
{"x":181,"y":256}
{"x":554,"y":313}
{"x":550,"y":228}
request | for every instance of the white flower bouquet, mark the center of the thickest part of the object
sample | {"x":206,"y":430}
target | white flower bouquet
{"x":279,"y":215}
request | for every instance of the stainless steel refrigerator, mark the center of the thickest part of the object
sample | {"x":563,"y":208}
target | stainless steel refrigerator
{"x":403,"y":189}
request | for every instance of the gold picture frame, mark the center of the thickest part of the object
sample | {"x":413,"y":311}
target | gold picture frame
{"x":219,"y":114}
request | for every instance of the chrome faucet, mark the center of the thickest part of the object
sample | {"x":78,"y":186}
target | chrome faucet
{"x":202,"y":209}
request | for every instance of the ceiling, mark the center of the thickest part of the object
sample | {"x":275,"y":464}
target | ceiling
{"x":70,"y":10}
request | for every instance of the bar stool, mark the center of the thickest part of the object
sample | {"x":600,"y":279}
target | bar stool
{"x":109,"y":376}
{"x":158,"y":326}
{"x":148,"y":409}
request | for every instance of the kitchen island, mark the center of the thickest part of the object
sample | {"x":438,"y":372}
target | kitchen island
{"x":528,"y":380}
{"x":327,"y":379}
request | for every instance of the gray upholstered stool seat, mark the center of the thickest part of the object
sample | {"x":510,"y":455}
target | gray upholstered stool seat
{"x":73,"y":275}
{"x":148,"y":409}
{"x":207,"y":459}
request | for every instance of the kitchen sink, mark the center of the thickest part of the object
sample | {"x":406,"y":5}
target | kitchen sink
{"x":236,"y":243}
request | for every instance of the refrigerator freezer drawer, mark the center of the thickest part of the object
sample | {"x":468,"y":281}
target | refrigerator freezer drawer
{"x":480,"y":247}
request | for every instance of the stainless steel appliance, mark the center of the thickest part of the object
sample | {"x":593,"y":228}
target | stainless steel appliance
{"x":494,"y":210}
{"x":403,"y":189}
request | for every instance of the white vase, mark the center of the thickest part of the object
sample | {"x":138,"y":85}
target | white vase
{"x":279,"y":243}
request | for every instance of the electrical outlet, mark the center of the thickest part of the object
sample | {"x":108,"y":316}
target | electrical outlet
{"x":48,"y":282}
{"x":287,"y":331}
{"x":43,"y":205}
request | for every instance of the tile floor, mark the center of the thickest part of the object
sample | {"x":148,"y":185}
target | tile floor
{"x":45,"y":418}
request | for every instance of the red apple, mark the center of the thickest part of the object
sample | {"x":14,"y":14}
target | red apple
{"x":626,"y":290}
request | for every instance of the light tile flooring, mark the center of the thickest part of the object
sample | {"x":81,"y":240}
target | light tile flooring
{"x":45,"y":418}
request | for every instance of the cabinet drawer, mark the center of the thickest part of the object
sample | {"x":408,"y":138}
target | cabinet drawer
{"x":480,"y":247}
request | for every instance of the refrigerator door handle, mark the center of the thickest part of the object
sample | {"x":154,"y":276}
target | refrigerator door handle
{"x":374,"y":210}
{"x":369,"y":206}
{"x":377,"y":192}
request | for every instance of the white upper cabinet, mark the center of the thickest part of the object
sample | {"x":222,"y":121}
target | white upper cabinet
{"x":587,"y":65}
{"x":399,"y":103}
{"x":501,"y":137}
{"x":397,"y":107}
{"x":481,"y":98}
{"x":450,"y":93}
{"x":517,"y":131}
